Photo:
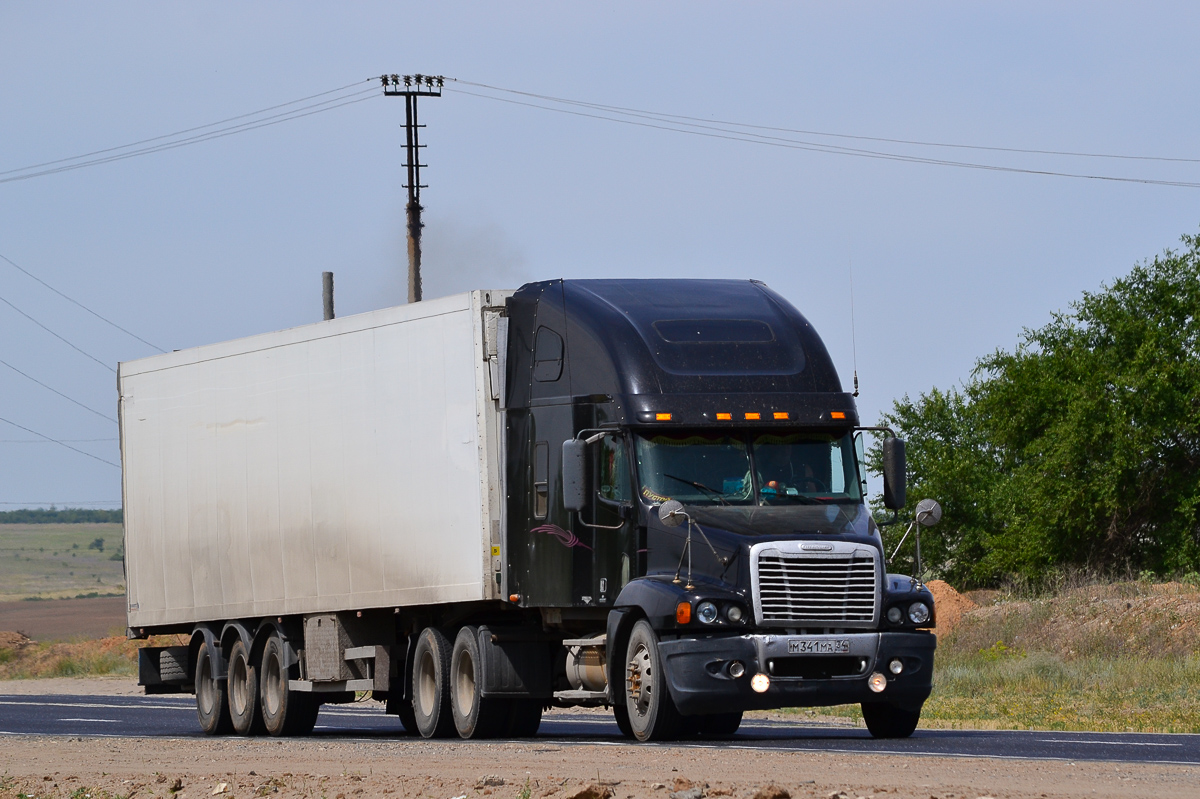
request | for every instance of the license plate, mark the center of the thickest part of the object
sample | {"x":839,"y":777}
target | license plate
{"x":818,"y":646}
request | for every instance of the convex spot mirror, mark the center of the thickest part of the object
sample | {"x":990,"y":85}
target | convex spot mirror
{"x":929,"y":512}
{"x":670,"y":513}
{"x":574,"y":471}
{"x":895,"y":479}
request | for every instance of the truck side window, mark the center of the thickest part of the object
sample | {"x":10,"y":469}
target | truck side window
{"x":541,"y":475}
{"x":547,"y":356}
{"x":614,"y":470}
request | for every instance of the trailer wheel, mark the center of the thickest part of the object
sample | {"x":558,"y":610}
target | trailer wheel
{"x":652,"y":713}
{"x":719,"y":725}
{"x":211,"y":708}
{"x":284,"y":711}
{"x":474,"y":716}
{"x":431,"y":685}
{"x":242,"y":688}
{"x":889,"y":721}
{"x":524,"y":718}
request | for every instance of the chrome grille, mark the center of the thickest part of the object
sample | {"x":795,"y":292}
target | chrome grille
{"x":835,"y":589}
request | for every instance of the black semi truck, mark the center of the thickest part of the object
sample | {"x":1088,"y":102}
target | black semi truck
{"x":640,"y":494}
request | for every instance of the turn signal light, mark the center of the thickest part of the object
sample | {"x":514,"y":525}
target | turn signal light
{"x":753,"y":416}
{"x":514,"y":598}
{"x":662,"y":417}
{"x":683,"y":612}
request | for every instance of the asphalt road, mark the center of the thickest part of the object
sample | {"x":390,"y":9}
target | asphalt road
{"x":175,"y":717}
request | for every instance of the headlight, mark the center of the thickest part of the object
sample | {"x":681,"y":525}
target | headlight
{"x":895,"y":615}
{"x":706,"y":612}
{"x":734,"y":614}
{"x":918,"y":612}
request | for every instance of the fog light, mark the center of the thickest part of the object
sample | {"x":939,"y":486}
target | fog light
{"x":918,"y":612}
{"x":895,"y":667}
{"x":706,"y":612}
{"x":877,"y":682}
{"x":734,"y":614}
{"x":736,"y":669}
{"x":895,"y":615}
{"x":761,"y":682}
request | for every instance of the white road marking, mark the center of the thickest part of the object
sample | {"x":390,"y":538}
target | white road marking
{"x":1102,"y":743}
{"x":97,"y":705}
{"x":106,"y":721}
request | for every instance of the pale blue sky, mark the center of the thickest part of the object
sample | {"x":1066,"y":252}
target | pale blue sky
{"x":228,"y":238}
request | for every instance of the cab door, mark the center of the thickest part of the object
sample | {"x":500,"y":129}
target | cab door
{"x":611,"y":518}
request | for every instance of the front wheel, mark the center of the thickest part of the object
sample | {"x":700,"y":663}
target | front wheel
{"x":652,"y":713}
{"x":889,"y":721}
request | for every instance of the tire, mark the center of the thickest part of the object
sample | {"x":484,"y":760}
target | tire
{"x":719,"y":725}
{"x":524,"y":718}
{"x":211,"y":707}
{"x":242,"y":689}
{"x":431,"y":685}
{"x":889,"y":721}
{"x":621,"y":716}
{"x":402,"y":709}
{"x":474,"y":716}
{"x":652,"y":713}
{"x":284,"y":711}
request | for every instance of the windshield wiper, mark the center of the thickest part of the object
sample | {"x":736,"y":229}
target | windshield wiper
{"x":800,"y":498}
{"x":720,"y":495}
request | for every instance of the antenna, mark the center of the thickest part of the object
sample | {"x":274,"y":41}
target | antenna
{"x":853,"y":338}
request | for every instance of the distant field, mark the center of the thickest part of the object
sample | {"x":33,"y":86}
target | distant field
{"x":53,"y":561}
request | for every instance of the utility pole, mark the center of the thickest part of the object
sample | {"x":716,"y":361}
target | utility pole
{"x":410,"y":87}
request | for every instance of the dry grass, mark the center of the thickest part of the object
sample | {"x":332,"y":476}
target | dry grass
{"x":1106,"y":657}
{"x":24,"y":659}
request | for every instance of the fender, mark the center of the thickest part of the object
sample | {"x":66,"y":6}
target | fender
{"x":232,"y":631}
{"x":265,"y":628}
{"x":203,"y":633}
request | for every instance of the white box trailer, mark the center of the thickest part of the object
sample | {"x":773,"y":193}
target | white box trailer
{"x":346,"y":464}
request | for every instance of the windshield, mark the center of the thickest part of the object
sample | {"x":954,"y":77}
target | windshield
{"x":770,"y":468}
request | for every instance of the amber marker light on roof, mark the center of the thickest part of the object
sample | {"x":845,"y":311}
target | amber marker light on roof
{"x":837,"y":415}
{"x":753,"y":416}
{"x":724,"y":417}
{"x":781,"y":414}
{"x":662,"y":417}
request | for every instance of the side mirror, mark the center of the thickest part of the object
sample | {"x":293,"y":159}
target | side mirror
{"x":671,"y":514}
{"x":574,"y":474}
{"x":929,"y":512}
{"x":895,"y":477}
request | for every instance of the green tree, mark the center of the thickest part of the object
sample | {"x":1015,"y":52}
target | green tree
{"x":1080,"y":448}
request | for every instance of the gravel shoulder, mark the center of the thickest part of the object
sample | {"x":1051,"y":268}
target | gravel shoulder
{"x":447,"y":770}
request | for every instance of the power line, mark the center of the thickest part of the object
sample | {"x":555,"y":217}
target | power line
{"x":43,"y":441}
{"x":80,"y":304}
{"x":657,"y":114}
{"x":716,"y":132}
{"x":185,"y":130}
{"x":60,"y":338}
{"x":66,"y":502}
{"x":288,"y":116}
{"x":59,"y":442}
{"x":59,"y":393}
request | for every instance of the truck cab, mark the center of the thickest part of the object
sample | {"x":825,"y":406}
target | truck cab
{"x":685,"y":470}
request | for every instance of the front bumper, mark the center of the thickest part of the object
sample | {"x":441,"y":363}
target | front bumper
{"x":698,"y":677}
